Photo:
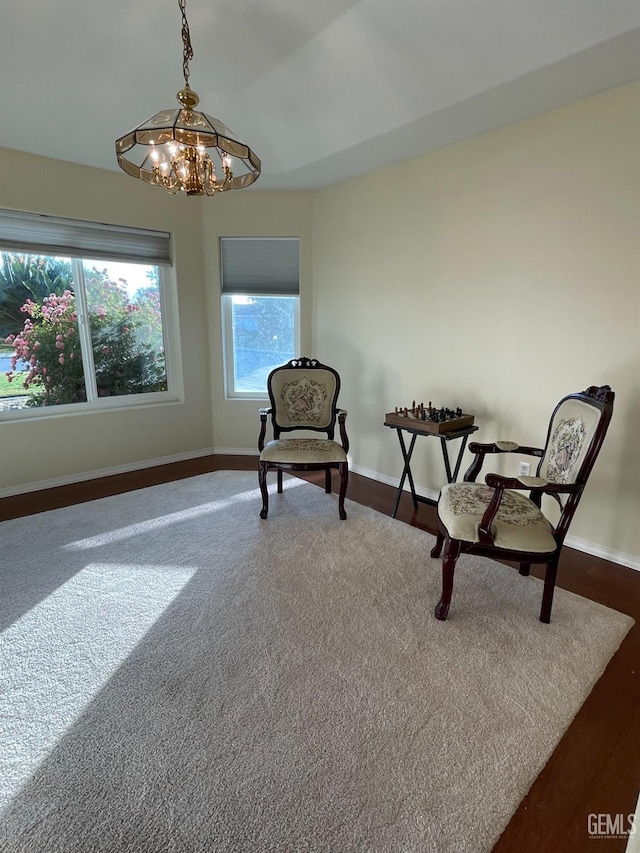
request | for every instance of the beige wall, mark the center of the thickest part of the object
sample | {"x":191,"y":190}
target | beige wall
{"x":64,"y":446}
{"x":496,"y":274}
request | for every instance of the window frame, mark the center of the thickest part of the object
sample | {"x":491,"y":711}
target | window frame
{"x":125,"y":238}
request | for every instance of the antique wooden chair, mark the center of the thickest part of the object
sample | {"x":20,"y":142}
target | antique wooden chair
{"x":499,"y":520}
{"x":303,"y":395}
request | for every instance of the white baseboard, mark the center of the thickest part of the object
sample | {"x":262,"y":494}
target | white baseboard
{"x":574,"y":542}
{"x":392,"y":481}
{"x":23,"y":488}
{"x":596,"y":550}
{"x":236,"y":451}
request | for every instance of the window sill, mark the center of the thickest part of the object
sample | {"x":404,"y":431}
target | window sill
{"x":104,"y":404}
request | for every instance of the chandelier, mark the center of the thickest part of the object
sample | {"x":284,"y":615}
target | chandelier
{"x":184,"y":150}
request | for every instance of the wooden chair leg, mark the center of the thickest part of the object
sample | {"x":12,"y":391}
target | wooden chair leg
{"x":451,"y":554}
{"x":279,"y":481}
{"x":525,"y":568}
{"x":549,"y":587}
{"x":327,"y":480}
{"x":262,"y":480}
{"x":437,"y":548}
{"x":343,"y":467}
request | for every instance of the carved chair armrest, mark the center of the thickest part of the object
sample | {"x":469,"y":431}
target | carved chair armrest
{"x":498,"y":484}
{"x":481,"y":450}
{"x":342,"y":416}
{"x":498,"y":481}
{"x":505,"y":447}
{"x":536,"y":486}
{"x":263,"y":426}
{"x":532,"y":484}
{"x":484,"y":530}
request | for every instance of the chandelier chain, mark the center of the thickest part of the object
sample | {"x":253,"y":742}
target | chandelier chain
{"x":187,"y":52}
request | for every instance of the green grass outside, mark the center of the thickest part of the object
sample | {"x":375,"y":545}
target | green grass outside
{"x":15,"y":388}
{"x":12,"y":389}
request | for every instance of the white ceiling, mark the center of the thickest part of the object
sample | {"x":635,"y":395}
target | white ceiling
{"x":320,"y":89}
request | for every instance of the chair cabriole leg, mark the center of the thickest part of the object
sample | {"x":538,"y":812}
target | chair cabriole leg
{"x":549,"y":587}
{"x":437,"y":548}
{"x":262,"y":480}
{"x":451,"y":554}
{"x":343,"y":467}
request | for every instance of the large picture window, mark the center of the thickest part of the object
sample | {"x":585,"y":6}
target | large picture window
{"x":260,"y":310}
{"x":83,"y":314}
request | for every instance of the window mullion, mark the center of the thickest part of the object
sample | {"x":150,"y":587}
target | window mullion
{"x":169,"y":343}
{"x":296,"y":328}
{"x":228,"y":344}
{"x":84,"y":332}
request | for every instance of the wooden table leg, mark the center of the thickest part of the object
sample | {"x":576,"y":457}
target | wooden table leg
{"x":451,"y":478}
{"x":406,"y":472}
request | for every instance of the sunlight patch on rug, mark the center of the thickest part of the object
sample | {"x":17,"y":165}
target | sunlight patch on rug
{"x":70,"y":644}
{"x":154,"y":524}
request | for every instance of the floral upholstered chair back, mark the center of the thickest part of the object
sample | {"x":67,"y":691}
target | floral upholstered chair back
{"x":571,"y":432}
{"x":304,"y":398}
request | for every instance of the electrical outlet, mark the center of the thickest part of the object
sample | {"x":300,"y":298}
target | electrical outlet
{"x":524,"y":469}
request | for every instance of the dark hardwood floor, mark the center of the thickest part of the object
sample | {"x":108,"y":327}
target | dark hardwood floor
{"x":596,"y":767}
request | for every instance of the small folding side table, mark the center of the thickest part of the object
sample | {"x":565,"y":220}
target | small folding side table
{"x":446,"y":432}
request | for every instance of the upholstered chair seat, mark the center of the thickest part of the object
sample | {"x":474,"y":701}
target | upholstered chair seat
{"x":518,"y":524}
{"x":303,"y":450}
{"x":504,"y":517}
{"x":303,"y":395}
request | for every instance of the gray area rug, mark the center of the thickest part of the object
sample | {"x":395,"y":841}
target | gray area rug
{"x":178,"y":675}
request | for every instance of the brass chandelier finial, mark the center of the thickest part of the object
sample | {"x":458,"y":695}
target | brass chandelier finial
{"x":184,"y":150}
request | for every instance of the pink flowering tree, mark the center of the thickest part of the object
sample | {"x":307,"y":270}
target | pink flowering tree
{"x":48,"y":348}
{"x":48,"y":353}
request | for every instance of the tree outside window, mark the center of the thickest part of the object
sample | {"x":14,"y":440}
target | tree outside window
{"x":75,"y":331}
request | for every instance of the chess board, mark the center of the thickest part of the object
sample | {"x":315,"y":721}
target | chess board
{"x":412,"y":420}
